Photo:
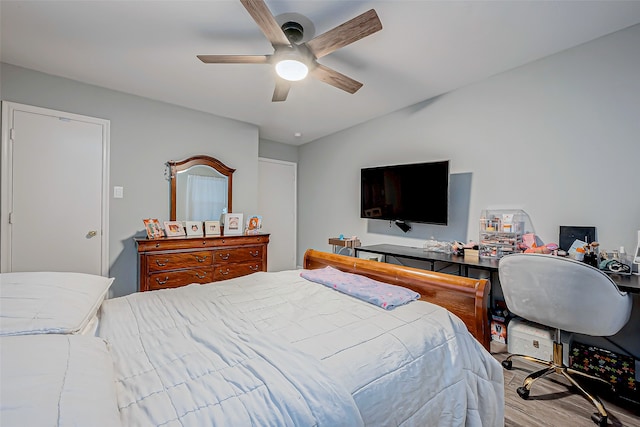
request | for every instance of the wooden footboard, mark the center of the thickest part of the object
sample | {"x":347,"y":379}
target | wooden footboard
{"x":465,"y":297}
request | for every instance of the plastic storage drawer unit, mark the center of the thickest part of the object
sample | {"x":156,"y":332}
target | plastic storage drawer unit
{"x":530,"y":339}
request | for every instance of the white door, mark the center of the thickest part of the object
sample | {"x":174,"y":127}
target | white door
{"x":54,"y":185}
{"x":277,"y":190}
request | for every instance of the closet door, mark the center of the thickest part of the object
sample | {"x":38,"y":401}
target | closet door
{"x":55,"y":181}
{"x":277,"y":205}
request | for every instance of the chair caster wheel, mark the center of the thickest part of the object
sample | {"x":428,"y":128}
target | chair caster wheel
{"x":599,"y":419}
{"x":523,"y":392}
{"x":507,"y":364}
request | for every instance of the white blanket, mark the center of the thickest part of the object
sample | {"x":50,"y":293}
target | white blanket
{"x":56,"y":380}
{"x":50,"y":302}
{"x":415,"y":365}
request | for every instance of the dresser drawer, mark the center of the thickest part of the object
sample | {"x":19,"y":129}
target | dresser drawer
{"x":174,"y":279}
{"x":224,"y":272}
{"x":240,"y":240}
{"x":173,"y":261}
{"x":248,"y":253}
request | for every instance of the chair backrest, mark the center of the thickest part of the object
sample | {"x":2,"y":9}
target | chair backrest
{"x":563,"y":293}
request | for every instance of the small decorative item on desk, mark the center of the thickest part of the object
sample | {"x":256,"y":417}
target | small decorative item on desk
{"x":233,"y":224}
{"x":173,"y":228}
{"x":152,"y":225}
{"x":433,"y":245}
{"x":212,"y":228}
{"x":576,"y":251}
{"x":254,"y":224}
{"x":590,"y":256}
{"x":613,"y":265}
{"x":471,"y":253}
{"x":194,"y":228}
{"x":341,"y":243}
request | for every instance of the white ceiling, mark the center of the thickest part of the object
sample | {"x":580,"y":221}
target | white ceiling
{"x":425,"y":48}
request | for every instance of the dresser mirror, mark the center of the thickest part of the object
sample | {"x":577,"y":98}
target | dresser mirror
{"x":200,"y":187}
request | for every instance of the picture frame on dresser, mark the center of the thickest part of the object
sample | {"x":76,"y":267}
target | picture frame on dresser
{"x":253,"y":224}
{"x":194,"y":228}
{"x":173,"y":228}
{"x":212,"y":228}
{"x":233,"y":224}
{"x":153,"y":228}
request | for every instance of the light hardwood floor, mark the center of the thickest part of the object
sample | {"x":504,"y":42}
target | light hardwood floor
{"x":552,"y":402}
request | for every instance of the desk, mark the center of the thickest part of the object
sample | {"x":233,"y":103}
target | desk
{"x":490,"y":265}
{"x":629,"y":284}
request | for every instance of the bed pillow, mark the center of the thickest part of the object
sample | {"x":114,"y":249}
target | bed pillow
{"x":372,"y":291}
{"x":57,"y":380}
{"x":49,"y":302}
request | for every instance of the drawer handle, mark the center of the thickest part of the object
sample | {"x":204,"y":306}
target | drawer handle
{"x":199,"y":276}
{"x":224,"y":273}
{"x":254,"y":267}
{"x":162,"y":263}
{"x":254,"y":254}
{"x":201,"y":259}
{"x":225,"y":257}
{"x":162,"y":282}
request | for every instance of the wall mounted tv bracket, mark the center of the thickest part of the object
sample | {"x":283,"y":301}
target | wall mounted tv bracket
{"x":403,"y":225}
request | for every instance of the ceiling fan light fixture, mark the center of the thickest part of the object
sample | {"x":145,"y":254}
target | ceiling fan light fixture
{"x":292,"y":70}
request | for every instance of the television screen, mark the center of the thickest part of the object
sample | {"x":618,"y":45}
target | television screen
{"x":416,"y":192}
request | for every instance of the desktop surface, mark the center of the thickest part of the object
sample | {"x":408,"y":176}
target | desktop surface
{"x":421,"y":254}
{"x":626,"y":283}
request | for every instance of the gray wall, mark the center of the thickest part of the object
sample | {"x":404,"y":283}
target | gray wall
{"x":144,"y":135}
{"x":559,"y":138}
{"x":278,"y":151}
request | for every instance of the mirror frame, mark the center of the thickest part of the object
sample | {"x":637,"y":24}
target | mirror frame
{"x":176,"y":166}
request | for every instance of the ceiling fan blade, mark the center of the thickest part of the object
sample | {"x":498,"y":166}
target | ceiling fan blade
{"x":281,"y":91}
{"x":234,"y":59}
{"x":267,"y":23}
{"x":345,"y":34}
{"x":334,"y":78}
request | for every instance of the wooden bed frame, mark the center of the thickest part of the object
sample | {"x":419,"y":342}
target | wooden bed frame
{"x":465,"y":297}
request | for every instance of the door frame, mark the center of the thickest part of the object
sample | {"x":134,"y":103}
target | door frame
{"x":6,"y":173}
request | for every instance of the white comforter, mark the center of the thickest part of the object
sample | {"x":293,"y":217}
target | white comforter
{"x":212,"y":355}
{"x":56,"y":380}
{"x":50,"y":302}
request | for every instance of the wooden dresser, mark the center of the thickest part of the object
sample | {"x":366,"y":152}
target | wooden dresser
{"x":178,"y":261}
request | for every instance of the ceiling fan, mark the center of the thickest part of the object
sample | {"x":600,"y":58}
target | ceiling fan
{"x":292,"y":59}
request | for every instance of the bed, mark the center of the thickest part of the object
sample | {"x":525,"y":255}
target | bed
{"x":274,"y":348}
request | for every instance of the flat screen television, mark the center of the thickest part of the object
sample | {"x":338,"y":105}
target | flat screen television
{"x":417,"y":192}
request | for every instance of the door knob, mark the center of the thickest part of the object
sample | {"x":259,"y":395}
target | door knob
{"x":92,"y":233}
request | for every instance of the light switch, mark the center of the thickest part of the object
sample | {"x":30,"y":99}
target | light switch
{"x":118,"y":192}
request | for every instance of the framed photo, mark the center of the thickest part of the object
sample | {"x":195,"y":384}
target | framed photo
{"x":233,"y":224}
{"x":152,"y":225}
{"x":253,"y":224}
{"x":194,"y":228}
{"x":212,"y":228}
{"x":173,"y":228}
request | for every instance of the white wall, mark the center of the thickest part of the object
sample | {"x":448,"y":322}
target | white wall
{"x":145,"y":134}
{"x":559,"y":138}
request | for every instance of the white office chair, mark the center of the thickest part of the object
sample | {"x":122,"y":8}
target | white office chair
{"x":566,"y":295}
